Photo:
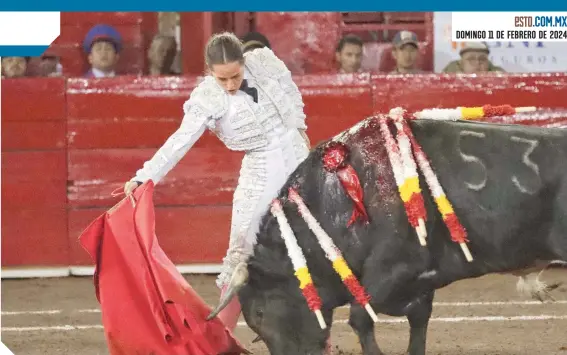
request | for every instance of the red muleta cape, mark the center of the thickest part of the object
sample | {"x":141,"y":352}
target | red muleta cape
{"x":148,"y":308}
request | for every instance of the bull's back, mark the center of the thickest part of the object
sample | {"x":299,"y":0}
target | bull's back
{"x":499,"y":178}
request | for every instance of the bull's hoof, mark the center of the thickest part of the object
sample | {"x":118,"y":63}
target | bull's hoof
{"x":532,"y":286}
{"x":544,"y":294}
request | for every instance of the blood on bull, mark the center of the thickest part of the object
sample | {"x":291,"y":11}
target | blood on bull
{"x":504,"y":184}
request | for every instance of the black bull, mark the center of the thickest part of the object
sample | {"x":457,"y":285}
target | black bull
{"x":507,"y":184}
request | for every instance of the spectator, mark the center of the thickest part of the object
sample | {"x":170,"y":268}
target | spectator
{"x":405,"y":52}
{"x":474,"y":59}
{"x":161,"y":55}
{"x":349,"y":54}
{"x":253,"y":40}
{"x":49,"y":66}
{"x":102,"y":45}
{"x":14,"y":67}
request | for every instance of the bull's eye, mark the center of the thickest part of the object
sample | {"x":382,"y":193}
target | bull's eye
{"x":259,"y":312}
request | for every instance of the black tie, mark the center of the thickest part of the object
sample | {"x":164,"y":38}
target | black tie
{"x":249,"y":90}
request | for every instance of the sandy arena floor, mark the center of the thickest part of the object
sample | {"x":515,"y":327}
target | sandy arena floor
{"x":473,"y":317}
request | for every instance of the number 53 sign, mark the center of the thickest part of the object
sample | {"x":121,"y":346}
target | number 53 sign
{"x":526,"y":176}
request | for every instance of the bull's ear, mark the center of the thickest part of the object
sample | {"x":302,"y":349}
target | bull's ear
{"x":237,"y":281}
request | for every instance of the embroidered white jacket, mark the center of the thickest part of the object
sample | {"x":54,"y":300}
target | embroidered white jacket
{"x":240,"y":125}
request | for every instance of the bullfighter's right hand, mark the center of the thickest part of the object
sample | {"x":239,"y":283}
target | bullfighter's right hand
{"x":130,"y":186}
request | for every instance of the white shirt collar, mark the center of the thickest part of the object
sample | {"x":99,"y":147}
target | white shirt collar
{"x":100,"y":74}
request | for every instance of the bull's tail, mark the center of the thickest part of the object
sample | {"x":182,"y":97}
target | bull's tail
{"x":531,"y":285}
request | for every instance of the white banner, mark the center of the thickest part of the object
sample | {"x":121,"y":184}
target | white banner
{"x":27,"y":33}
{"x":512,"y":56}
{"x":29,"y":28}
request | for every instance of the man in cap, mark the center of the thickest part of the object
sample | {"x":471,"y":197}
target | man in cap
{"x":405,"y":52}
{"x":474,"y":59}
{"x":102,"y":44}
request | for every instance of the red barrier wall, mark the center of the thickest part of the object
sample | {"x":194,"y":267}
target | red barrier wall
{"x":71,"y":143}
{"x":34,"y":173}
{"x":445,"y":90}
{"x":108,"y":142}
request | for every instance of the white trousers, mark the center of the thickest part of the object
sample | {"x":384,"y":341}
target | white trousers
{"x":262,"y":175}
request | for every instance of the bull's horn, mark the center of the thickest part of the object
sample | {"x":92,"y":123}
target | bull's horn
{"x":257,"y":339}
{"x":238,"y":279}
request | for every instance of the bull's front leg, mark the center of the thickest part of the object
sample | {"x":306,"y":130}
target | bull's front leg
{"x":418,"y":316}
{"x":363,"y":326}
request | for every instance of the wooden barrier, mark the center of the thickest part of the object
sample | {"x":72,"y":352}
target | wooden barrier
{"x":447,"y":91}
{"x":34,"y":176}
{"x":72,"y":142}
